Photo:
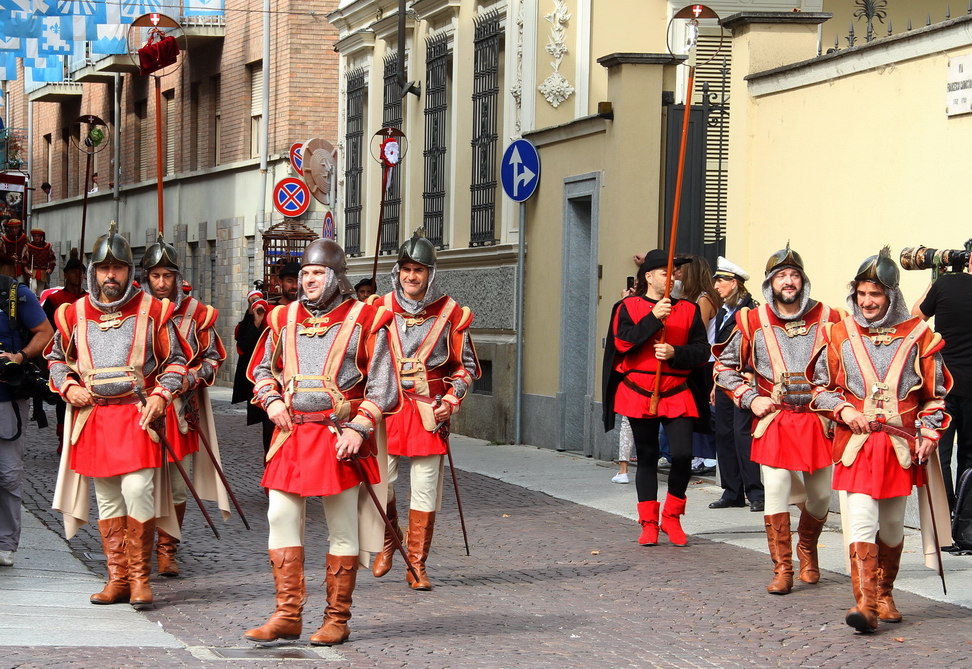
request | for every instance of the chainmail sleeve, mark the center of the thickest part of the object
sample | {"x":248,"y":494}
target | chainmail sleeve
{"x":266,"y":389}
{"x":729,"y":367}
{"x":173,"y":367}
{"x":825,"y":397}
{"x":933,"y":417}
{"x":382,"y":385}
{"x":61,"y":373}
{"x":209,"y":360}
{"x":459,"y":385}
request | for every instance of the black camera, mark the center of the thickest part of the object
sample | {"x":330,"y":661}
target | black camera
{"x":944,"y":260}
{"x":27,"y":380}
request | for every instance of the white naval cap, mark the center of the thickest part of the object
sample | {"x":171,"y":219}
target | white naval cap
{"x":730,"y":270}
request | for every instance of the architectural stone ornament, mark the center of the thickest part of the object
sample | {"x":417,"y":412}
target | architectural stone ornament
{"x":555,"y":88}
{"x":516,"y":90}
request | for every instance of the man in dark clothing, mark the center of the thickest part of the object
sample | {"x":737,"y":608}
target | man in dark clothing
{"x":949,"y":300}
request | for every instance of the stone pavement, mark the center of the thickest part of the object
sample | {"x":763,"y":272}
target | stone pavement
{"x":556,"y":579}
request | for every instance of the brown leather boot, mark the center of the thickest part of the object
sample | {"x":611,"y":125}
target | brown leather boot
{"x":889,"y":559}
{"x":809,"y":534}
{"x":781,"y":550}
{"x":141,"y":536}
{"x":165,"y":549}
{"x":418,"y":539}
{"x":383,"y":561}
{"x":864,"y":566}
{"x":288,"y":577}
{"x":342,"y":572}
{"x":113,"y":543}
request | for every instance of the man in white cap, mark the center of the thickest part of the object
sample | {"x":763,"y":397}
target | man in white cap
{"x":765,"y":365}
{"x":738,"y":474}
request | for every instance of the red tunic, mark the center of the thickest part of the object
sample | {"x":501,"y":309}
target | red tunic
{"x":306,"y":462}
{"x":638,"y":364}
{"x":38,"y":261}
{"x":879,"y":464}
{"x":407,"y":433}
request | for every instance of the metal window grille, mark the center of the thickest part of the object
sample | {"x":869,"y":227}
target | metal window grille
{"x":391,"y":117}
{"x":438,"y":60}
{"x":484,"y":384}
{"x":712,"y":91}
{"x":485,"y":109}
{"x":354,"y":140}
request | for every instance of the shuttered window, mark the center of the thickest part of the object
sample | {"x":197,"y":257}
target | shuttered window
{"x":711,"y":62}
{"x":171,"y":137}
{"x":256,"y":107}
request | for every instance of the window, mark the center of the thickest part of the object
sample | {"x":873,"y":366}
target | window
{"x":194,"y":126}
{"x":354,"y":140}
{"x":256,"y":108}
{"x":438,"y":64}
{"x":49,"y":148}
{"x":140,"y":159}
{"x":217,"y":138}
{"x":392,"y":118}
{"x":171,"y":139}
{"x":485,"y":101}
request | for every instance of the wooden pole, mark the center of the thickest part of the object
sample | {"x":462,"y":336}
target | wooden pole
{"x":84,"y":205}
{"x":656,"y":393}
{"x":385,"y":177}
{"x":158,"y":151}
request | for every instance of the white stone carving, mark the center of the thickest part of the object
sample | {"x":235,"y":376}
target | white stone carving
{"x":516,"y":90}
{"x":556,"y":88}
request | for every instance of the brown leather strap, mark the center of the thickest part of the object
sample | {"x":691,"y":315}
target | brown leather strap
{"x":793,"y":408}
{"x":422,"y":398}
{"x":105,"y":401}
{"x":647,"y":393}
{"x":877,"y":426}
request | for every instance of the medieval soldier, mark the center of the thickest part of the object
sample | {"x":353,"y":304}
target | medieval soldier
{"x":654,"y":335}
{"x":773,"y":345}
{"x":323,"y":372}
{"x":37,"y":261}
{"x":436,"y":364}
{"x":191,"y":413}
{"x":885,"y":389}
{"x":110,"y":350}
{"x":12,"y":246}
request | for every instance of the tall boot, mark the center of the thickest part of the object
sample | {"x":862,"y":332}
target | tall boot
{"x":419,"y":538}
{"x":809,"y":533}
{"x":113,"y":542}
{"x":889,"y":559}
{"x":288,"y":578}
{"x":864,"y":564}
{"x":383,"y":561}
{"x":141,"y":536}
{"x":648,"y":517}
{"x":165,"y":549}
{"x":670,"y":524}
{"x":781,"y":550}
{"x":342,"y":572}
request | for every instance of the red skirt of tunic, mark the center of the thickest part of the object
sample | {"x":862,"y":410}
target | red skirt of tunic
{"x":307,"y":464}
{"x":111,"y":443}
{"x":408,"y":436}
{"x":793,"y":441}
{"x":632,"y":404}
{"x":182,"y":444}
{"x":876,"y":471}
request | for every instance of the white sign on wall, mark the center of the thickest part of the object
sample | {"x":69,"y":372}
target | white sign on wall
{"x":958,"y":89}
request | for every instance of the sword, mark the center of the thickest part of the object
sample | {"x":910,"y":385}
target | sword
{"x":159,"y":426}
{"x":923,"y":468}
{"x":222,"y":476}
{"x":452,"y":469}
{"x":374,"y":498}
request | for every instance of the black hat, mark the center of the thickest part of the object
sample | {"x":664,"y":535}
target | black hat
{"x":364,"y":282}
{"x":290,"y":269}
{"x":657,"y":259}
{"x":74,"y":262}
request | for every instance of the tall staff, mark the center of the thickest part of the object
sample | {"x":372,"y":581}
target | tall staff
{"x":391,"y":149}
{"x":693,"y":13}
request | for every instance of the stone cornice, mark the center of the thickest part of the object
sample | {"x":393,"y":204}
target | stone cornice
{"x":361,"y":40}
{"x":586,"y":125}
{"x":741,"y":19}
{"x":437,"y":11}
{"x":613,"y":59}
{"x":386,"y":27}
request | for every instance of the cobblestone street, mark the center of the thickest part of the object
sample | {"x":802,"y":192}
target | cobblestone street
{"x":550,"y":583}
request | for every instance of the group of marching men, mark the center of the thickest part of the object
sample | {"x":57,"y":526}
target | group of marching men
{"x":350,"y":386}
{"x":852,"y":402}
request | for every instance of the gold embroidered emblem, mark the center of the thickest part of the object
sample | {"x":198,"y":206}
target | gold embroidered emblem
{"x":108,"y":321}
{"x":414,"y":319}
{"x":796,"y":329}
{"x":881,"y":335}
{"x":315,"y":327}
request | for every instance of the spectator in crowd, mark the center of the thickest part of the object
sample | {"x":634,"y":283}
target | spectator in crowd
{"x":364,"y":289}
{"x":94,"y":183}
{"x":46,"y":187}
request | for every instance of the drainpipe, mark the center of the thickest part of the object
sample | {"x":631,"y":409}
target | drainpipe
{"x":28,"y":193}
{"x":117,"y":148}
{"x":265,"y":118}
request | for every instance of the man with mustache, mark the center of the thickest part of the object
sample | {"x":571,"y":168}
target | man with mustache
{"x":885,"y":388}
{"x":434,"y":358}
{"x":773,"y":345}
{"x":323,"y":373}
{"x":110,"y":349}
{"x":190,"y":413}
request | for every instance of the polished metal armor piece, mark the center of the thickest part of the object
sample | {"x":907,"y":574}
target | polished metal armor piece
{"x":784,"y":257}
{"x":880,"y":269}
{"x":112,"y":247}
{"x":418,"y":249}
{"x":329,"y":254}
{"x":160,"y":254}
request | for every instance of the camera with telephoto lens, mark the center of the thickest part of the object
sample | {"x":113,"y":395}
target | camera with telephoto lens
{"x":946,"y":260}
{"x":26,"y":379}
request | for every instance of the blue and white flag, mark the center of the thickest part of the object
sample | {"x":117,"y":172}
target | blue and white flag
{"x":17,"y":5}
{"x":202,"y":8}
{"x":20,"y":24}
{"x":57,"y":35}
{"x":43,"y":70}
{"x":132,"y":9}
{"x":111,"y":39}
{"x":14,"y":45}
{"x":8,"y":66}
{"x":92,"y":8}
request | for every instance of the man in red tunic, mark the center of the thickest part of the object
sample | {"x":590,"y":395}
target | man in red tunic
{"x":12,"y":246}
{"x":323,"y":373}
{"x":773,"y":345}
{"x":885,"y":389}
{"x":436,"y":364}
{"x":650,"y":331}
{"x":109,"y":348}
{"x":195,"y":322}
{"x":37,"y":261}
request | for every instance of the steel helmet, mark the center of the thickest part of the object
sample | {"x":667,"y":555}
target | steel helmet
{"x":329,"y":254}
{"x":417,"y":249}
{"x":112,"y":247}
{"x":160,"y":254}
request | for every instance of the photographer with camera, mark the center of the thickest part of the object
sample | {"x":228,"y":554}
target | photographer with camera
{"x":24,"y":332}
{"x":949,"y":299}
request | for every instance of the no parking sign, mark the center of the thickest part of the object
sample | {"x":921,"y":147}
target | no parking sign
{"x":291,"y":197}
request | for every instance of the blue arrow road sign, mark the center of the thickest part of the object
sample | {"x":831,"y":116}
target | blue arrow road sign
{"x":520,"y":170}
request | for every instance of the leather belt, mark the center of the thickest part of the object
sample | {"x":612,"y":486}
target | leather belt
{"x":893,"y":430}
{"x":631,"y":385}
{"x":793,"y":408}
{"x":106,"y":401}
{"x":320,"y":417}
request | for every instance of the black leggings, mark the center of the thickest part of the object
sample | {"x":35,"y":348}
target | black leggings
{"x":679,"y":433}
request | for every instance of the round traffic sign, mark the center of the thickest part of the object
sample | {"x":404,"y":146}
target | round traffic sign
{"x":328,"y":231}
{"x":520,"y":170}
{"x":297,"y":157}
{"x":291,"y":197}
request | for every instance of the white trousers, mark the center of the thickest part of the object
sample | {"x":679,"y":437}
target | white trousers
{"x":423,"y":477}
{"x":130,"y":494}
{"x":180,"y":491}
{"x":869,"y":517}
{"x":286,"y":515}
{"x":777,"y":484}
